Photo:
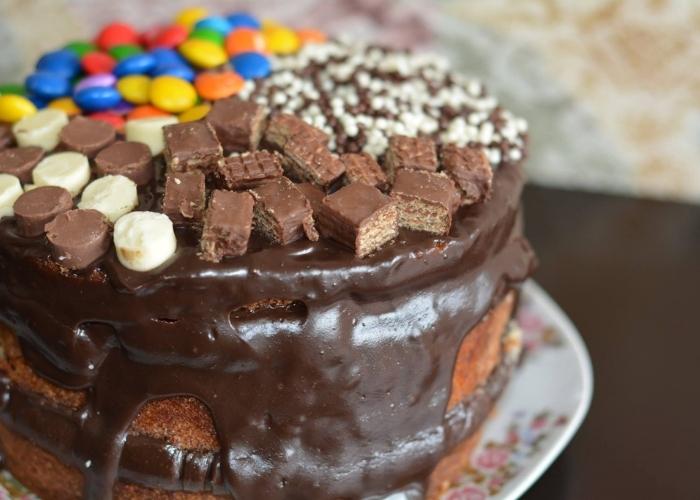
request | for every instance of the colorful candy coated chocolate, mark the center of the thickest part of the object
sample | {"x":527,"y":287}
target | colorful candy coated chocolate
{"x":138,"y":64}
{"x":15,"y":107}
{"x":172,"y":94}
{"x":195,"y":113}
{"x":63,"y":62}
{"x":146,"y":111}
{"x":208,"y":34}
{"x":65,"y":104}
{"x":98,"y":62}
{"x":251,"y":65}
{"x":242,"y":20}
{"x":98,"y":80}
{"x":188,"y":17}
{"x":167,"y":56}
{"x":175,"y":69}
{"x":216,"y":23}
{"x":81,"y":47}
{"x":122,"y":108}
{"x":116,"y":34}
{"x":203,"y":53}
{"x":169,"y":37}
{"x":48,"y":85}
{"x":135,"y":88}
{"x":39,"y":102}
{"x":281,"y":40}
{"x":244,"y":40}
{"x":12,"y":88}
{"x":120,"y":52}
{"x":310,"y":35}
{"x":97,"y":98}
{"x":110,"y":117}
{"x":212,"y":86}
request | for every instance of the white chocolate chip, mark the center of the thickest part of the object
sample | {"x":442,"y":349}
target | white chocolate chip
{"x":68,"y":170}
{"x":149,"y":131}
{"x":10,"y":190}
{"x":41,"y":129}
{"x":113,"y":195}
{"x":144,"y":240}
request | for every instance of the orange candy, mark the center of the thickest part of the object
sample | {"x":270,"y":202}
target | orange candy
{"x":112,"y":118}
{"x":244,"y":40}
{"x":310,"y":35}
{"x":211,"y":86}
{"x":146,"y":111}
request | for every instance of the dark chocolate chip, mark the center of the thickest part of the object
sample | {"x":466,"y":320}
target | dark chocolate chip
{"x":78,"y":237}
{"x":20,"y":161}
{"x":227,"y":225}
{"x":36,"y":208}
{"x":87,"y":136}
{"x":130,"y":159}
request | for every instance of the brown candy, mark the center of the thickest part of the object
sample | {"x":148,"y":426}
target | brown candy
{"x":36,"y":208}
{"x":282,"y":213}
{"x":238,"y":124}
{"x":426,"y":200}
{"x":20,"y":161}
{"x":7,"y":138}
{"x":311,"y":163}
{"x":191,"y":146}
{"x":227,"y":225}
{"x":418,"y":153}
{"x":361,"y":167}
{"x":284,"y":128}
{"x":471,"y":170}
{"x":87,"y":136}
{"x":130,"y":159}
{"x":360,"y":217}
{"x":184,"y":197}
{"x":78,"y":238}
{"x":246,"y":170}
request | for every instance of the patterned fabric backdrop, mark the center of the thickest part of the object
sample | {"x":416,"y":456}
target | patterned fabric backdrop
{"x":610,"y":87}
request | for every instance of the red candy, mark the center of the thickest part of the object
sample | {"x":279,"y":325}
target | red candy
{"x":168,"y":37}
{"x":98,"y":62}
{"x":116,"y":34}
{"x":110,"y":117}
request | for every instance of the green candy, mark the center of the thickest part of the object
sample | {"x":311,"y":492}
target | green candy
{"x":80,"y":48}
{"x":120,"y":52}
{"x":12,"y":88}
{"x":208,"y":34}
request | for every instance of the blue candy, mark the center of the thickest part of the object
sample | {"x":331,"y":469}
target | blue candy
{"x":63,"y":62}
{"x":138,"y":64}
{"x":167,"y":56}
{"x":97,"y":98}
{"x":251,"y":65}
{"x":47,"y":85}
{"x":216,"y":23}
{"x":242,"y":20}
{"x":39,"y":102}
{"x":174,"y":69}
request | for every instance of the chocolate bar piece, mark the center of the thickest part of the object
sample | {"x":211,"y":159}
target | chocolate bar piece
{"x":20,"y":161}
{"x":36,"y":208}
{"x":360,"y":217}
{"x":130,"y":159}
{"x":78,"y":237}
{"x":283,"y":128}
{"x":418,"y":153}
{"x":87,"y":136}
{"x":238,"y":124}
{"x":282,"y":213}
{"x":426,"y":200}
{"x":471,"y":170}
{"x":184,"y":197}
{"x":191,"y":146}
{"x":361,"y":167}
{"x":227,"y":225}
{"x":313,"y":194}
{"x":246,"y":170}
{"x":311,"y":163}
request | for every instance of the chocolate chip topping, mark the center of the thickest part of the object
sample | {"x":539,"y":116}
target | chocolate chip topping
{"x":87,"y":136}
{"x":130,"y":159}
{"x":227,"y":225}
{"x":78,"y":237}
{"x":7,"y":138}
{"x":417,"y":153}
{"x":246,"y":170}
{"x":190,"y":146}
{"x":184,"y":197}
{"x":470,"y":169}
{"x":36,"y":208}
{"x":238,"y":124}
{"x":20,"y":161}
{"x":361,"y":167}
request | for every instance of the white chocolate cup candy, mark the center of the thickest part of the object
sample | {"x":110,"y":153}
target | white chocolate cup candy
{"x":41,"y":129}
{"x":10,"y":190}
{"x":144,"y":240}
{"x":113,"y":195}
{"x":68,"y":170}
{"x":149,"y":131}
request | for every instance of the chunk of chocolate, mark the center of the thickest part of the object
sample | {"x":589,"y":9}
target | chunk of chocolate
{"x":36,"y":208}
{"x":87,"y":136}
{"x":282,"y":213}
{"x":361,"y":167}
{"x":191,"y":146}
{"x":130,"y":159}
{"x":20,"y":161}
{"x":185,"y":196}
{"x":246,"y":170}
{"x":78,"y":237}
{"x":7,"y":138}
{"x":311,"y":163}
{"x":426,"y":200}
{"x":283,"y":128}
{"x":238,"y":124}
{"x":360,"y":217}
{"x":470,"y":168}
{"x":227,"y":225}
{"x":313,"y":194}
{"x":418,"y":153}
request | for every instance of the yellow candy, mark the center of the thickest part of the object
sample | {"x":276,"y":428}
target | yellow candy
{"x":188,"y":17}
{"x":15,"y":107}
{"x":172,"y":94}
{"x":65,"y":104}
{"x":194,"y":114}
{"x":203,"y":53}
{"x":135,"y":88}
{"x":281,"y":40}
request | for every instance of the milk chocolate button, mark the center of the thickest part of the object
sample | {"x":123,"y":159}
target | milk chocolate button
{"x":130,"y":159}
{"x":20,"y":161}
{"x":36,"y":208}
{"x":78,"y":237}
{"x":87,"y":136}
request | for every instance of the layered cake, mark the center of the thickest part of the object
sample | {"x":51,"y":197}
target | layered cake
{"x":290,"y":279}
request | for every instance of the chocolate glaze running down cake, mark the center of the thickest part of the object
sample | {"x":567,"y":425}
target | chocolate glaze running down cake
{"x":293,"y":369}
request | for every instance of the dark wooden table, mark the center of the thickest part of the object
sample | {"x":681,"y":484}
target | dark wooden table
{"x":627,"y":272}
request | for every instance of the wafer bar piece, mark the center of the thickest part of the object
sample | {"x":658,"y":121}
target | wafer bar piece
{"x":471,"y":170}
{"x":246,"y":170}
{"x":361,"y":167}
{"x":282,"y":213}
{"x":283,"y":127}
{"x":426,"y":200}
{"x":184,"y":197}
{"x":191,"y":146}
{"x":238,"y":124}
{"x":360,"y":217}
{"x":227,"y":225}
{"x":314,"y":194}
{"x":305,"y":161}
{"x":417,"y":153}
